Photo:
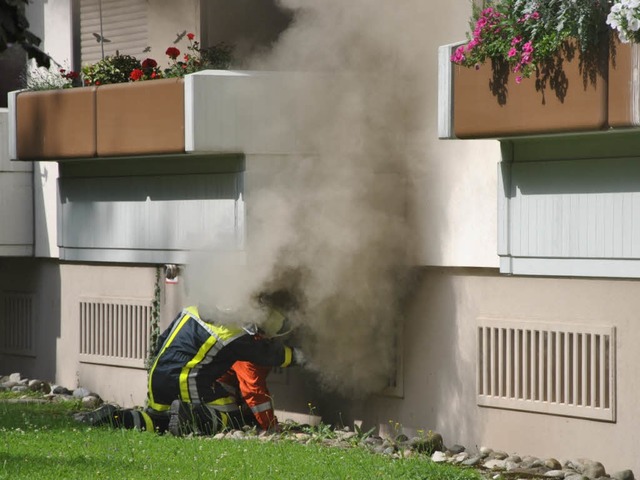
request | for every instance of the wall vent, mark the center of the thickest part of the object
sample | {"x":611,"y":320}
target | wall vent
{"x":17,"y":324}
{"x":395,"y":383}
{"x":559,"y":369}
{"x":115,"y":331}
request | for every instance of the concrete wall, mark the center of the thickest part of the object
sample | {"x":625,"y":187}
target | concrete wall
{"x":16,"y":200}
{"x":125,"y":386}
{"x":41,"y":278}
{"x":440,"y":364}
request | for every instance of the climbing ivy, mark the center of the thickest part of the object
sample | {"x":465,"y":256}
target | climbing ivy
{"x":154,"y":328}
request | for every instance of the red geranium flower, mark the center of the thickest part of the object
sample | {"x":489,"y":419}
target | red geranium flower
{"x":190,"y":36}
{"x":136,"y":74}
{"x":149,"y":63}
{"x":172,"y":52}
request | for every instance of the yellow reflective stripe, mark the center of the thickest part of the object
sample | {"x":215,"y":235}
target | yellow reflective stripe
{"x":152,"y":402}
{"x":224,"y":404}
{"x":159,"y":407}
{"x":288,"y":354}
{"x":225,"y":420}
{"x":148,"y":422}
{"x":186,"y":370}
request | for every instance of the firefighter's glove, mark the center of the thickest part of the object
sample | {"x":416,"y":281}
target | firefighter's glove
{"x":299,"y":358}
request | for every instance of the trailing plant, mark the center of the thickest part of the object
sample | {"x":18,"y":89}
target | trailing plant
{"x":154,"y":327}
{"x":519,"y":35}
{"x":624,"y":17}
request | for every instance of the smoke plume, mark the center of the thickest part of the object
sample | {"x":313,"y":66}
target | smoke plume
{"x":333,"y":221}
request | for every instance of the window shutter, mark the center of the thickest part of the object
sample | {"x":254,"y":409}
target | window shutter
{"x":124,"y":24}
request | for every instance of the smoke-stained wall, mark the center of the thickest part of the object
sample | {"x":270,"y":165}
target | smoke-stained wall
{"x":347,"y":220}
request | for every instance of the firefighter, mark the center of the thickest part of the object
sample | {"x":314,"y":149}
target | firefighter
{"x":183,"y":394}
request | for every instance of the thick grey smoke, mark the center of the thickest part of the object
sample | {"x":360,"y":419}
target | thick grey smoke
{"x":336,"y":217}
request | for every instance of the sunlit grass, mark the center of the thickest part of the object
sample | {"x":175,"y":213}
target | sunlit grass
{"x":42,"y":440}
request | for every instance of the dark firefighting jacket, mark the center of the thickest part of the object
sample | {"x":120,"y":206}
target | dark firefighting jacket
{"x":194,"y":353}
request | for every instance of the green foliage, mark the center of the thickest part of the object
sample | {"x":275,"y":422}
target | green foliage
{"x":155,"y":320}
{"x":197,"y":58}
{"x":112,"y":69}
{"x":14,"y":28}
{"x":38,"y":438}
{"x":524,"y":33}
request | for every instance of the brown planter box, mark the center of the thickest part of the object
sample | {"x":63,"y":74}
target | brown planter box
{"x":524,"y":109}
{"x":56,"y":124}
{"x":141,"y":118}
{"x":624,"y":89}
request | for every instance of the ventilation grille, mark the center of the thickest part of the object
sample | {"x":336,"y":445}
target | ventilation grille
{"x":115,"y":331}
{"x":548,"y":368}
{"x":395,"y":384}
{"x":17,"y":324}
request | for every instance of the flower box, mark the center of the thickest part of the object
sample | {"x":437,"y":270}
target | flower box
{"x":55,"y":124}
{"x":208,"y":112}
{"x":474,"y":105}
{"x":140,"y":118}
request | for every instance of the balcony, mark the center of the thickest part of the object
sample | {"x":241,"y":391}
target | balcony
{"x":144,"y":164}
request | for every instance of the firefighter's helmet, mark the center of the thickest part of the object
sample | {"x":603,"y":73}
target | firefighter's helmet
{"x":276,"y":324}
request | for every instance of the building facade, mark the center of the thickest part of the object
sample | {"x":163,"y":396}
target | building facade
{"x":536,"y":359}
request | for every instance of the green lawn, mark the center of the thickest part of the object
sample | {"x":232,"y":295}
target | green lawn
{"x":42,"y":440}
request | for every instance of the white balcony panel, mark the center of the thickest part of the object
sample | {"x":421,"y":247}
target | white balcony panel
{"x":154,"y":218}
{"x":248,"y":112}
{"x":575,"y":215}
{"x":16,"y":214}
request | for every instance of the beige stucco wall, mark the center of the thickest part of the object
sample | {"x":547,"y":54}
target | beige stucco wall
{"x":42,"y":278}
{"x":440,"y":364}
{"x":125,"y":386}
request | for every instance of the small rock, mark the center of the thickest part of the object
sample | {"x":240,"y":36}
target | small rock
{"x":460,"y":457}
{"x":485,"y":451}
{"x":342,"y":435}
{"x":438,"y":457}
{"x":575,"y":476}
{"x":510,"y":465}
{"x":389,"y":451}
{"x":552,"y":464}
{"x":589,"y":468}
{"x":456,"y":449}
{"x":19,"y":388}
{"x":81,"y":392}
{"x":58,"y":390}
{"x":90,"y":401}
{"x":219,"y":436}
{"x":623,"y":475}
{"x":555,"y":474}
{"x":495,"y":464}
{"x":15,"y":377}
{"x":302,"y":437}
{"x":473,"y":461}
{"x":498,"y":455}
{"x":514,"y":459}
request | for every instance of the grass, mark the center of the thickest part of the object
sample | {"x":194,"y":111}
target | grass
{"x":42,"y":440}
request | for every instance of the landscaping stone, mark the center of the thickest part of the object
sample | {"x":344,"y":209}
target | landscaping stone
{"x":491,"y":463}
